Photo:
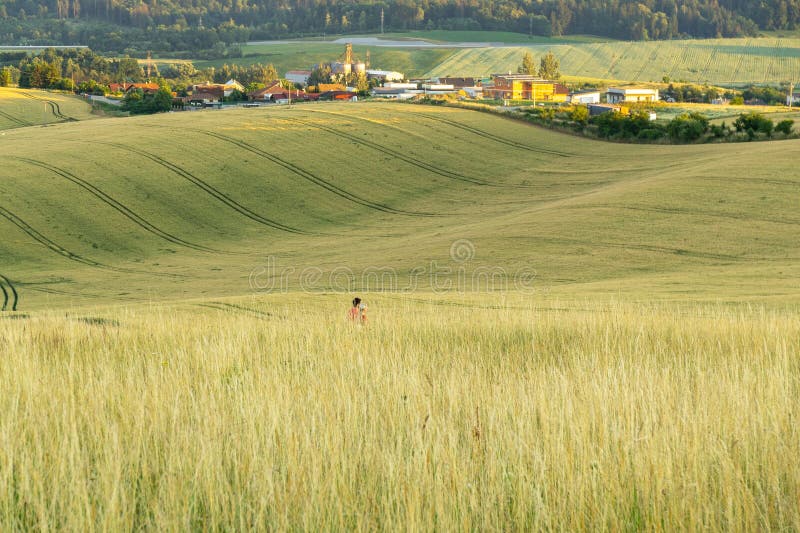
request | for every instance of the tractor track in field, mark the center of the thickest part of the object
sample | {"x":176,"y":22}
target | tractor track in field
{"x":495,"y":138}
{"x":398,"y":155}
{"x":15,"y":120}
{"x":60,"y":250}
{"x":690,"y":212}
{"x":456,"y":124}
{"x":237,"y":309}
{"x":54,"y":107}
{"x":41,"y":239}
{"x":316,"y":180}
{"x":210,"y":190}
{"x":5,"y":282}
{"x":121,"y":208}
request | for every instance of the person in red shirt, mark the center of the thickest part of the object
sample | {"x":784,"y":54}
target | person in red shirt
{"x":355,"y":312}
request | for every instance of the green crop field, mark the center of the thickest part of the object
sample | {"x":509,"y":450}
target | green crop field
{"x":715,"y":61}
{"x":170,"y":203}
{"x":563,"y":334}
{"x":20,"y":108}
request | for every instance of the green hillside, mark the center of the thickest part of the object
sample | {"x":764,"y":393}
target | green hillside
{"x":194,"y":205}
{"x":716,"y":61}
{"x":20,"y":108}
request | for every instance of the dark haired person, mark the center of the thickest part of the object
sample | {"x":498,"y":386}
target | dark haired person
{"x":355,"y":311}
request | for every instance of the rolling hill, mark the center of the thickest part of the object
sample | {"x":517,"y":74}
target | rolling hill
{"x":219,"y":203}
{"x":769,"y":60}
{"x":20,"y":108}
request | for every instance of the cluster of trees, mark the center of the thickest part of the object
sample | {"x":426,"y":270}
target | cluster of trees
{"x":63,"y":69}
{"x":117,"y":25}
{"x":549,"y":67}
{"x":685,"y":128}
{"x":138,"y":102}
{"x":83,"y":70}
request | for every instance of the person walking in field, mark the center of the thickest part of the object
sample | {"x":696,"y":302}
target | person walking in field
{"x":358,"y":313}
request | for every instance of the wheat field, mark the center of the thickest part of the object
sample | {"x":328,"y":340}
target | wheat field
{"x":446,"y":412}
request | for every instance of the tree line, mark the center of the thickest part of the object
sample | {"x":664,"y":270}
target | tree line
{"x":163,"y":25}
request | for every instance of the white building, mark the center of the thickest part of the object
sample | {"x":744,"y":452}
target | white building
{"x":584,"y":97}
{"x":616,"y":95}
{"x":396,"y":85}
{"x":385,"y":75}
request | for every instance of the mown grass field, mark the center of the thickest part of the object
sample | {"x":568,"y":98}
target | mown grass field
{"x":563,"y":333}
{"x":21,"y":108}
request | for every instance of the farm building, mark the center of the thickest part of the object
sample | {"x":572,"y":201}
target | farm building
{"x":385,"y":75}
{"x":395,"y":94}
{"x":298,"y":77}
{"x":327,"y":87}
{"x":793,"y":99}
{"x":599,"y":109}
{"x":339,"y":95}
{"x":584,"y":97}
{"x":200,"y":98}
{"x":459,"y":82}
{"x":525,"y":87}
{"x":615,"y":95}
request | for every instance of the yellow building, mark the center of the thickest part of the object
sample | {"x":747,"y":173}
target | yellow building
{"x":526,"y":87}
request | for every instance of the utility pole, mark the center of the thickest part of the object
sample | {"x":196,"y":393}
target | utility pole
{"x":790,"y":98}
{"x":381,"y":21}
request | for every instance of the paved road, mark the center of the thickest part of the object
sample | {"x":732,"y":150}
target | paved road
{"x":103,"y":99}
{"x":390,"y":43}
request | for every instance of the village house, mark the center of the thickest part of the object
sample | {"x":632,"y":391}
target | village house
{"x":270,"y":93}
{"x":616,"y":95}
{"x":525,"y":87}
{"x":225,"y":89}
{"x":147,"y":88}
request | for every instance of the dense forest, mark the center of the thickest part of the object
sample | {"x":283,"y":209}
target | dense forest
{"x":162,"y":25}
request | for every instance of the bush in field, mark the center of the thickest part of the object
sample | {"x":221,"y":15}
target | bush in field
{"x":718,"y":131}
{"x":579,"y":114}
{"x":650,"y":134}
{"x":620,"y":126}
{"x":755,"y":123}
{"x":688,"y":127}
{"x":785,"y":126}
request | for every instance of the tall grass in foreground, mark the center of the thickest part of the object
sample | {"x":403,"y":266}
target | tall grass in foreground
{"x":435,"y":417}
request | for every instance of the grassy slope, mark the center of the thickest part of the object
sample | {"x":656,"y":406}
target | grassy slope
{"x":773,"y":59}
{"x":26,"y":107}
{"x":685,"y":222}
{"x":716,"y":61}
{"x":412,"y":62}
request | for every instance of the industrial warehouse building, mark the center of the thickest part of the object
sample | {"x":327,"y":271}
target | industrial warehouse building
{"x":525,"y":87}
